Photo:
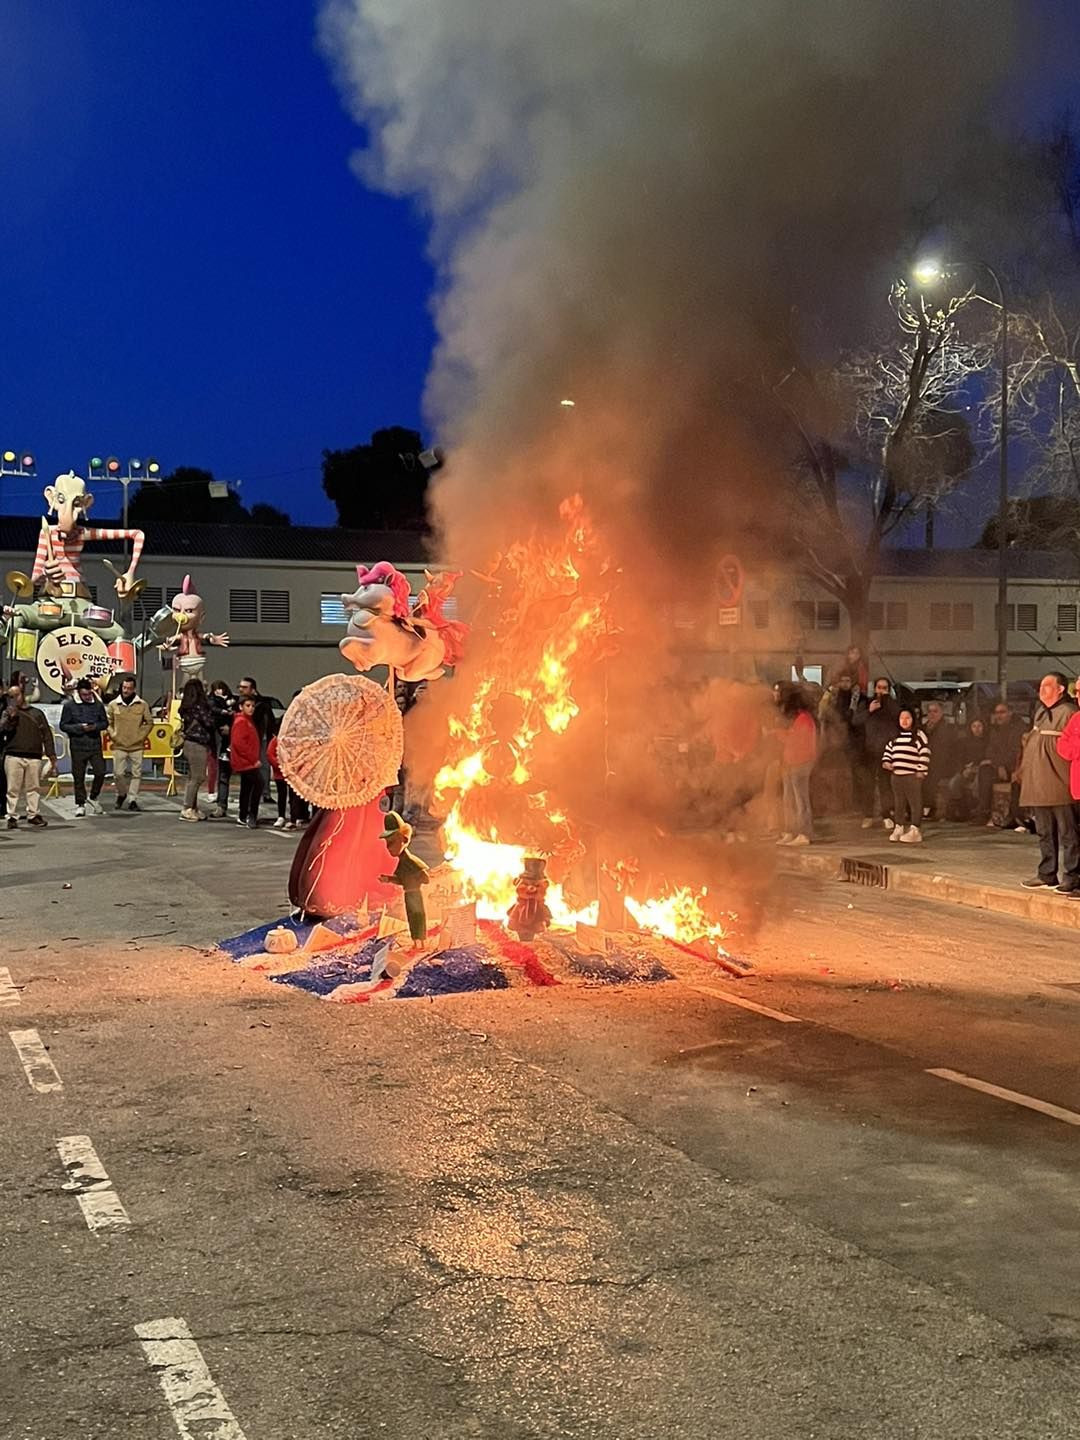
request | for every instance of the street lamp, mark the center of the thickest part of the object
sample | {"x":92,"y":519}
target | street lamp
{"x":928,"y":273}
{"x":138,"y":472}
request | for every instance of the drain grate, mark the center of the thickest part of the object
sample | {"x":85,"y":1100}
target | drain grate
{"x":864,"y":872}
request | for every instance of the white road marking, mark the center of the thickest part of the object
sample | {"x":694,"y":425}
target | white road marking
{"x":40,"y":1070}
{"x":1029,"y":1102}
{"x":197,"y":1405}
{"x":90,"y":1185}
{"x":747,"y":1004}
{"x":9,"y":995}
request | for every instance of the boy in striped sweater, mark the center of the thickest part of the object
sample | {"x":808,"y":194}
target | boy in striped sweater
{"x":907,"y":758}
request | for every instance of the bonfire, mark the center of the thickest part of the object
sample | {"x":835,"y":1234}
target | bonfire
{"x":546,"y":628}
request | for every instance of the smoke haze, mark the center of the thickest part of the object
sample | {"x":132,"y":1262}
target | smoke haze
{"x":626,"y":203}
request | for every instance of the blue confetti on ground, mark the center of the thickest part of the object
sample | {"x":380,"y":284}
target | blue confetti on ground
{"x":623,"y":969}
{"x":252,"y":942}
{"x":454,"y":972}
{"x":322,"y":977}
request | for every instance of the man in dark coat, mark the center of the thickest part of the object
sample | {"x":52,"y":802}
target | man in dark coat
{"x":1044,"y":789}
{"x":879,"y":723}
{"x":83,"y":720}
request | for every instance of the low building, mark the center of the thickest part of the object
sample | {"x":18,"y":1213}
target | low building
{"x":277,"y":591}
{"x":933,"y":617}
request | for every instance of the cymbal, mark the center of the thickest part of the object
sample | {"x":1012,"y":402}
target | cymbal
{"x":19,"y":583}
{"x":137,"y":587}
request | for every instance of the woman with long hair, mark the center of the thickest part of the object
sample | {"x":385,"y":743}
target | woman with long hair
{"x":198,"y":729}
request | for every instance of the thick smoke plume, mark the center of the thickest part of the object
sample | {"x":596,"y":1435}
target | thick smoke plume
{"x":637,"y":207}
{"x":628,"y":202}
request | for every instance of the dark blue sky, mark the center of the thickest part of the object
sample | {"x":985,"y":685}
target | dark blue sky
{"x":189,"y":266}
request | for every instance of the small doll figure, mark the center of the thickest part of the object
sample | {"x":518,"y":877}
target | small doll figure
{"x":410,"y":873}
{"x":529,"y":915}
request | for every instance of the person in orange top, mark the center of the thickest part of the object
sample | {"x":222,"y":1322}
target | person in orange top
{"x":797,"y":757}
{"x":245,"y":759}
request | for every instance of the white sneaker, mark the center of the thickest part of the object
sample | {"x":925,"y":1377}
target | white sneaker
{"x":896,"y":833}
{"x":279,"y":823}
{"x":911,"y":836}
{"x":94,"y":807}
{"x":80,"y":811}
{"x":887,"y":823}
{"x":785,"y":839}
{"x":800,"y":840}
{"x":868,"y":824}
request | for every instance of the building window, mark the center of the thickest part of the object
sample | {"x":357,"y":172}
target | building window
{"x":803,"y":614}
{"x":243,"y":607}
{"x":148,"y":603}
{"x":896,"y":615}
{"x":876,"y":615}
{"x":331,"y":610}
{"x":274,"y":607}
{"x":963,"y":615}
{"x":1018,"y":617}
{"x":959,"y":616}
{"x":1066,"y":618}
{"x":828,"y":615}
{"x":759,"y":613}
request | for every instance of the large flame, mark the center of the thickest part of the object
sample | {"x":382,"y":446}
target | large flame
{"x":549,"y":624}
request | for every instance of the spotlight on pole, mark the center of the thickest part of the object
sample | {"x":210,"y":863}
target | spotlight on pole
{"x":153,"y":469}
{"x":112,"y":467}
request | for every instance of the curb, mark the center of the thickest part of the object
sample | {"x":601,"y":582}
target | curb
{"x":1041,"y":906}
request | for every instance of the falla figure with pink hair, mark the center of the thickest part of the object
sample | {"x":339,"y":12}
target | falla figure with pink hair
{"x":187,"y":644}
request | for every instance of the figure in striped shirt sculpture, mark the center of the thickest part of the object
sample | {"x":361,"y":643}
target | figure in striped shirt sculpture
{"x":60,"y":596}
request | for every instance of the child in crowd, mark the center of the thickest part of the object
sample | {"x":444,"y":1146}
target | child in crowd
{"x":297,"y":806}
{"x":245,"y":757}
{"x":907,"y":758}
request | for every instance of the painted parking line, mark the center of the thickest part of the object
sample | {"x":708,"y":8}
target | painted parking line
{"x":197,"y":1405}
{"x":90,"y":1185}
{"x":745,"y":1004}
{"x":34,"y":1058}
{"x":9,"y":992}
{"x":1014,"y":1097}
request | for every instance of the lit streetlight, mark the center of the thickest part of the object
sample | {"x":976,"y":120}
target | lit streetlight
{"x":928,"y":273}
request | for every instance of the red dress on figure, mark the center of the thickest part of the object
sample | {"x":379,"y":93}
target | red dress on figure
{"x":338,"y":862}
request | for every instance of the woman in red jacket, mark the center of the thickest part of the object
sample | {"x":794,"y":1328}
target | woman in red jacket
{"x":245,"y":759}
{"x":797,"y":758}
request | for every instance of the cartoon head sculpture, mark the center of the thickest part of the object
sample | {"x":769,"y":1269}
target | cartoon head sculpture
{"x":384,"y":630}
{"x":71,"y":500}
{"x":187,"y":608}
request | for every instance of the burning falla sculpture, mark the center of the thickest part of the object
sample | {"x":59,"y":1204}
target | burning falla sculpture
{"x":417,"y":644}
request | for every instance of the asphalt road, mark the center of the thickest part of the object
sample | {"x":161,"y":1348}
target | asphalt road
{"x":589,"y":1213}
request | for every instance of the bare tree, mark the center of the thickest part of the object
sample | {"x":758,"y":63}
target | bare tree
{"x":875,"y":440}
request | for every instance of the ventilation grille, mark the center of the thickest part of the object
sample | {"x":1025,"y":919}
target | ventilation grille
{"x":148,"y":603}
{"x":274,"y":607}
{"x":243,"y":607}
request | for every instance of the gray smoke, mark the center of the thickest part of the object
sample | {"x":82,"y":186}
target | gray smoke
{"x":632,"y":205}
